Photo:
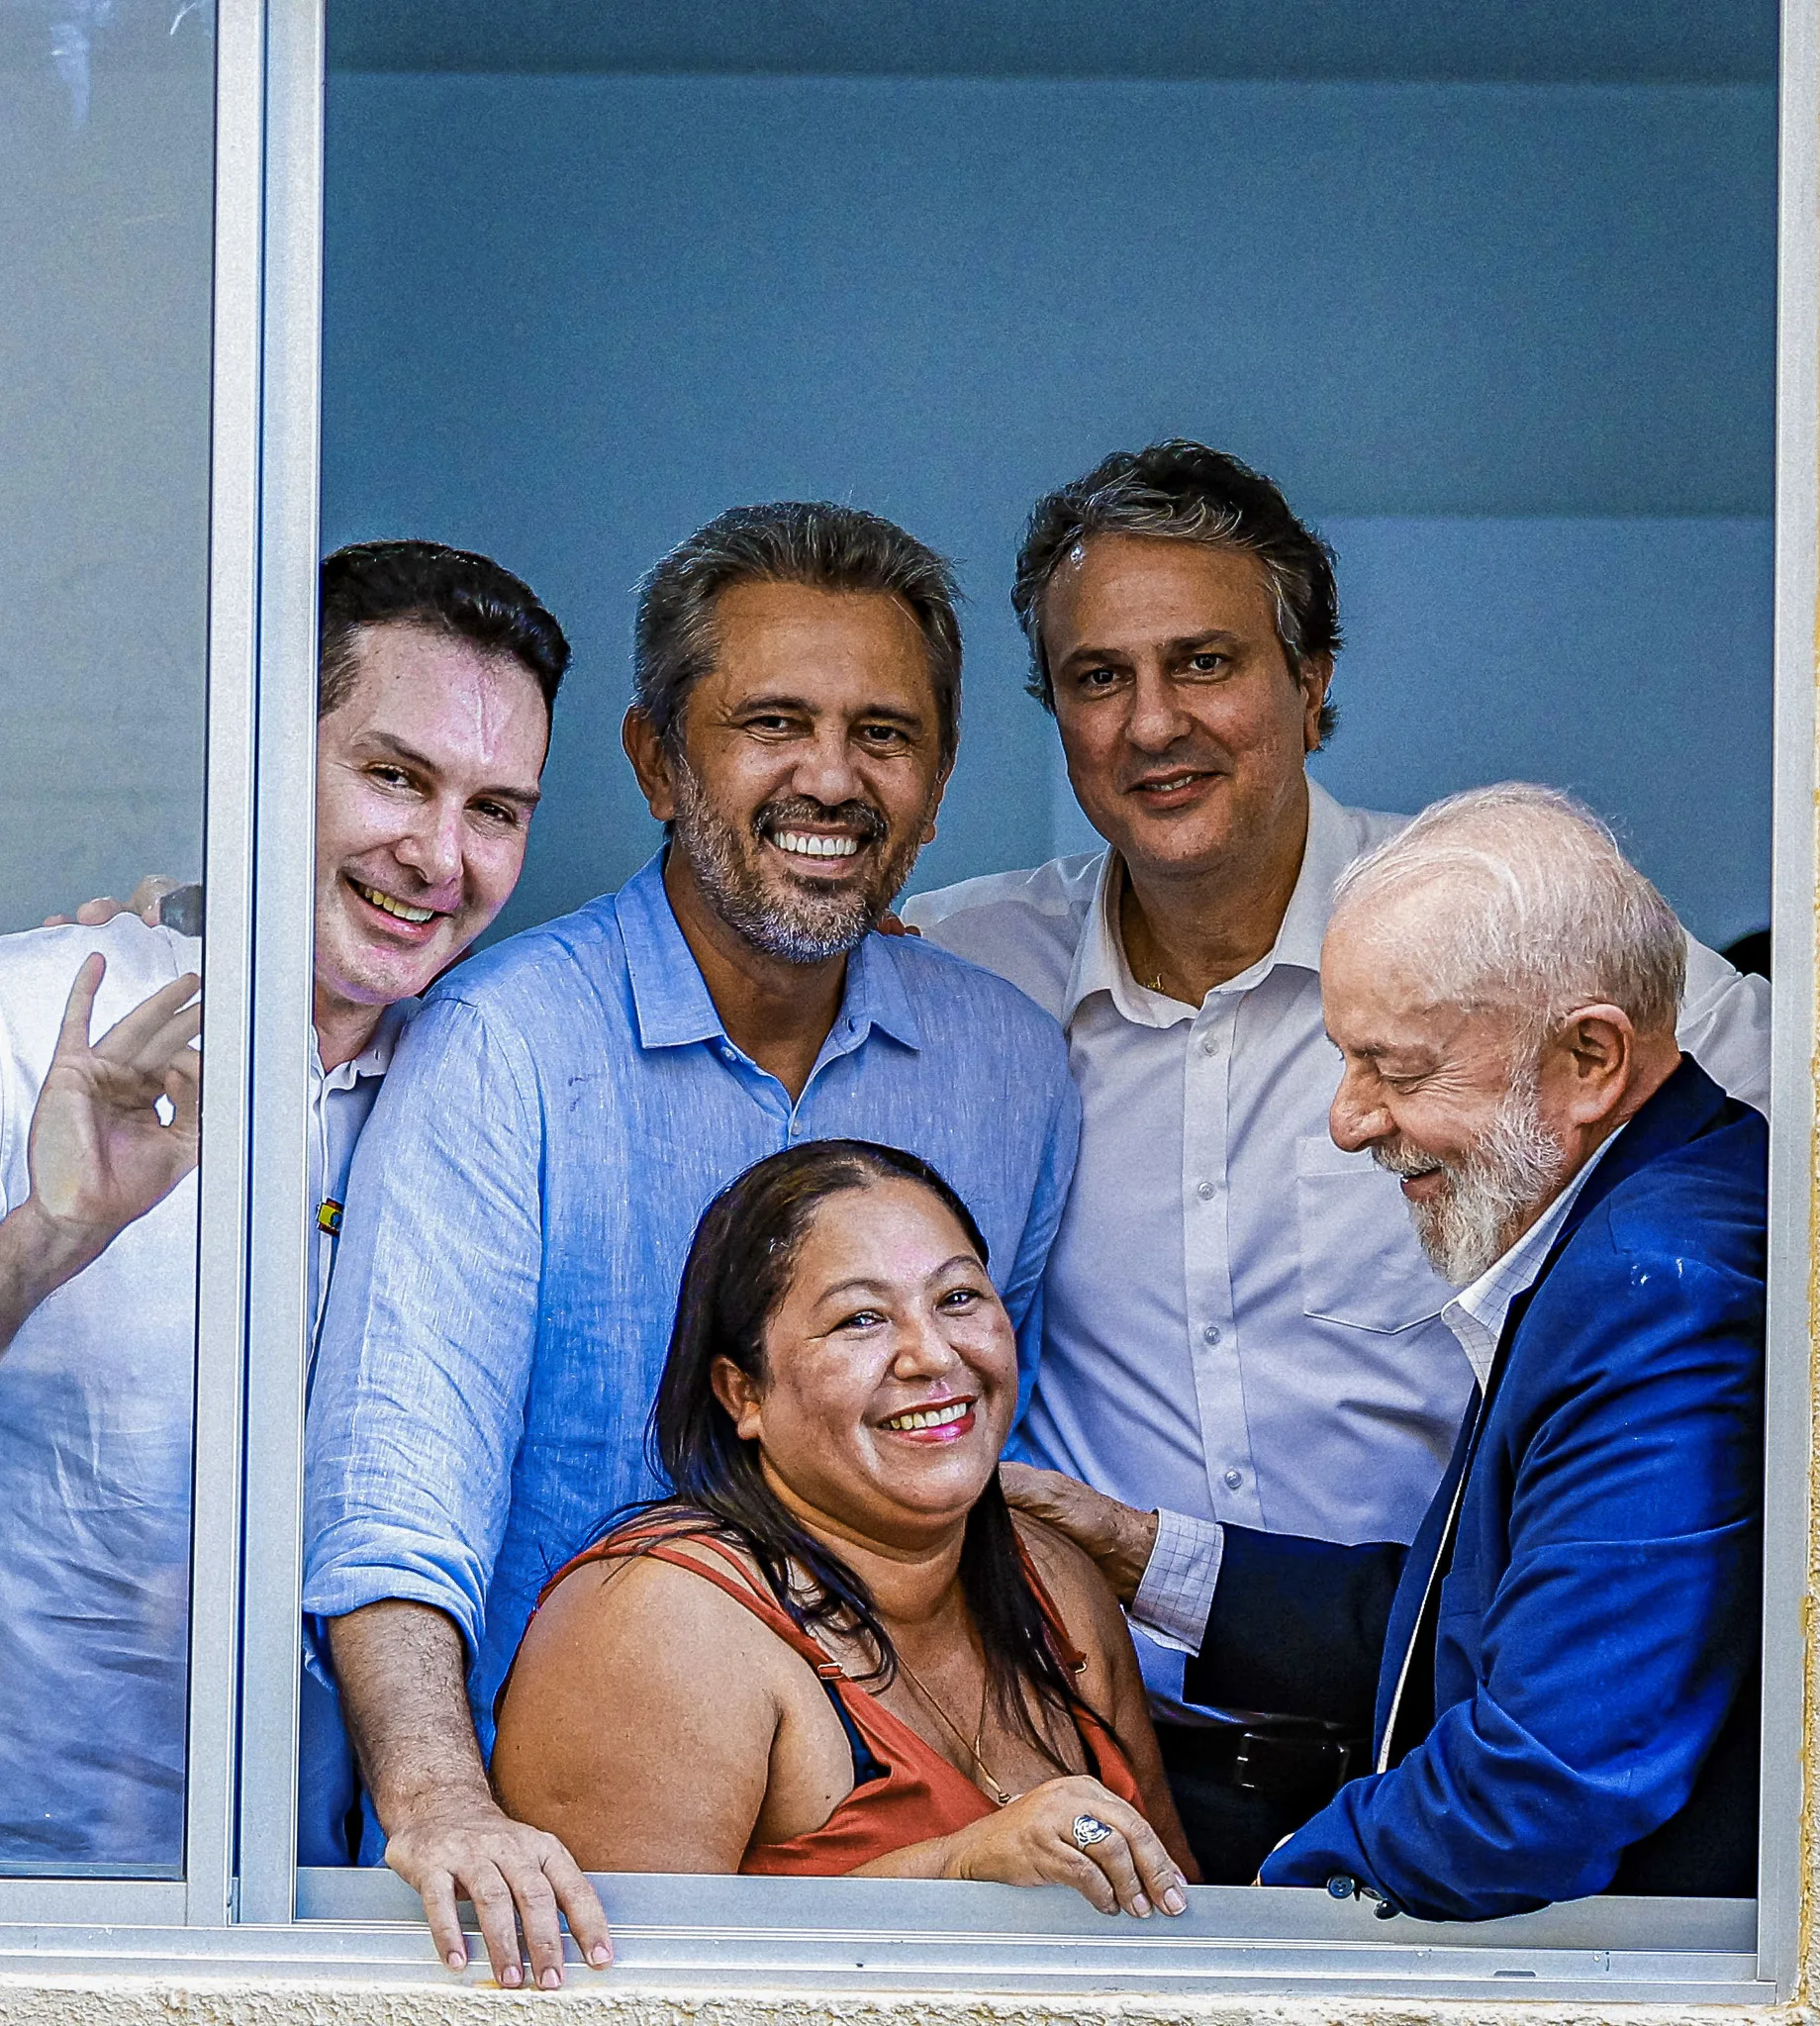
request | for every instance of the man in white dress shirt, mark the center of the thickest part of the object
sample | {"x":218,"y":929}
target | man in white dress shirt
{"x":438,"y":671}
{"x":1239,"y":1324}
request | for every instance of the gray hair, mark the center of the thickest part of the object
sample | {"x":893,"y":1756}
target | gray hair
{"x":1537,"y":910}
{"x":814,"y":543}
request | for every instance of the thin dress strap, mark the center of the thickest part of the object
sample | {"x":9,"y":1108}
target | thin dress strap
{"x":1066,"y":1651}
{"x":663,"y":1542}
{"x":918,"y":1794}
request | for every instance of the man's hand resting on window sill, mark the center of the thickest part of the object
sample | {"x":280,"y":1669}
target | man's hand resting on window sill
{"x":1118,"y":1538}
{"x":401,"y":1667}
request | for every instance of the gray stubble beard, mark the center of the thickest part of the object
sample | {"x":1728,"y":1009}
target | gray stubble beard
{"x":807,"y":928}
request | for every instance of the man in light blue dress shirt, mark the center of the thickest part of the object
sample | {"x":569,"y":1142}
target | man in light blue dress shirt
{"x":564,"y":1110}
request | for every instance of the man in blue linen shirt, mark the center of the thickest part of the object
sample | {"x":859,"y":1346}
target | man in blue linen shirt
{"x":564,"y":1110}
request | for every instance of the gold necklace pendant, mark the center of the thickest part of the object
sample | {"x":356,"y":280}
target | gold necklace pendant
{"x":994,"y":1793}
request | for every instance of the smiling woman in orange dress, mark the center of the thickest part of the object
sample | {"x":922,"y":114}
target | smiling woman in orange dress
{"x":835,"y":1651}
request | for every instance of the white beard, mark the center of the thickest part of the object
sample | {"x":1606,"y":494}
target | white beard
{"x":1472,"y":1222}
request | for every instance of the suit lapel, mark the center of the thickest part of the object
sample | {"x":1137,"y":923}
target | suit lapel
{"x":1677,"y":1112}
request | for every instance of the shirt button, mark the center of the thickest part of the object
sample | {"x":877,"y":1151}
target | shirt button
{"x":1340,"y":1887}
{"x":1233,"y":1481}
{"x":1209,"y":1044}
{"x":727,"y":1053}
{"x":1205,"y":1190}
{"x":1212,"y":1333}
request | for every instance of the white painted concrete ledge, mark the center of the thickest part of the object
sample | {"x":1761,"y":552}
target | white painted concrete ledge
{"x":245,"y":2001}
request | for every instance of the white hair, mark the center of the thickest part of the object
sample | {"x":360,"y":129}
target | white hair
{"x":1523,"y":899}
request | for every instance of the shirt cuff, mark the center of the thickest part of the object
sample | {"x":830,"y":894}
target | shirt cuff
{"x":1176,"y":1593}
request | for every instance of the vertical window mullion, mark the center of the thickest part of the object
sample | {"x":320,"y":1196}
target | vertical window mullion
{"x":283,"y":896}
{"x":227,"y":884}
{"x":1788,"y":1460}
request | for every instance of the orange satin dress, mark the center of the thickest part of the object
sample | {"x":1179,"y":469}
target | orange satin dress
{"x":920,"y":1795}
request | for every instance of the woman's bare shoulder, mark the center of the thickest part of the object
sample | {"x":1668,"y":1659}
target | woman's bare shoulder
{"x":634,"y":1668}
{"x":669,"y":1614}
{"x":1081,"y":1595}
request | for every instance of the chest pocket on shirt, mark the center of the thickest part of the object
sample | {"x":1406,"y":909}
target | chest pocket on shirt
{"x":1361,"y":1265}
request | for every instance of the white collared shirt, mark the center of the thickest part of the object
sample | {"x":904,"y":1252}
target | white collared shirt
{"x":341,"y":1101}
{"x":97,"y":1403}
{"x":1239,"y":1324}
{"x":1477,"y":1314}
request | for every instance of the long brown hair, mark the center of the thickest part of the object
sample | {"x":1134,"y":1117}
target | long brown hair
{"x":739,"y":1265}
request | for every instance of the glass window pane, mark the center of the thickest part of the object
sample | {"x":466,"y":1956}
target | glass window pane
{"x":854,"y":282}
{"x":105,"y":174}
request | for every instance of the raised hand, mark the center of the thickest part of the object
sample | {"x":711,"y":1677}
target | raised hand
{"x":99,"y":1155}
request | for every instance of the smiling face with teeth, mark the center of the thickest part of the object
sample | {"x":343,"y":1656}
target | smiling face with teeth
{"x":807,"y":770}
{"x":1476,"y":1121}
{"x":427,"y":776}
{"x":891,"y":1372}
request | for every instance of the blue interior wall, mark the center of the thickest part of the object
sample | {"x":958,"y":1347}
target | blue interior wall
{"x":1511,"y":344}
{"x":1625,"y":660}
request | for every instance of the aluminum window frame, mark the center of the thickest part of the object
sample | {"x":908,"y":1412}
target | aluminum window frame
{"x":243,"y":1906}
{"x":203,"y":1892}
{"x":974,"y":1936}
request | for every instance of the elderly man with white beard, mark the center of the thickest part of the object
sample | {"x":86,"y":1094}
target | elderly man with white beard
{"x":1553,"y":1689}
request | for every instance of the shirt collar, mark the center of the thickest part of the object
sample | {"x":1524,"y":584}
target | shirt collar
{"x":1478,"y":1314}
{"x":1330,"y":850}
{"x":670,"y":998}
{"x":375,"y":1058}
{"x":1100,"y":964}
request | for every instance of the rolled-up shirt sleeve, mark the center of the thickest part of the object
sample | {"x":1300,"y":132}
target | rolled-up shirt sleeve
{"x":418,"y":1403}
{"x":1176,"y":1591}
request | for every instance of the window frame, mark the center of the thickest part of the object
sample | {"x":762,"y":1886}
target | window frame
{"x":242,"y":1901}
{"x":203,"y":1891}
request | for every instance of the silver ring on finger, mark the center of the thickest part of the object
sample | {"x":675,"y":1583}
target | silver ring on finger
{"x":1089,"y":1830}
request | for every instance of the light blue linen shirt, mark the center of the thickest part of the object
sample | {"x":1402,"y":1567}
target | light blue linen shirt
{"x":555,"y":1121}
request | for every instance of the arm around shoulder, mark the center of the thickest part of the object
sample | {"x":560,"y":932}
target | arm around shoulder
{"x":1297,"y":1627}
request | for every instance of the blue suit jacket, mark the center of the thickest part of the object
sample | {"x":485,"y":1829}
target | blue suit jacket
{"x":1596,"y":1660}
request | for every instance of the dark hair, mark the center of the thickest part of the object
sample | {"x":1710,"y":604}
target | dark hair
{"x":449,"y":591}
{"x":814,"y":543}
{"x":738,"y":1268}
{"x":1180,"y":491}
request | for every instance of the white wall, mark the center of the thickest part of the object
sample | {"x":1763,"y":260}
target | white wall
{"x":1510,"y":345}
{"x":1623,"y":660}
